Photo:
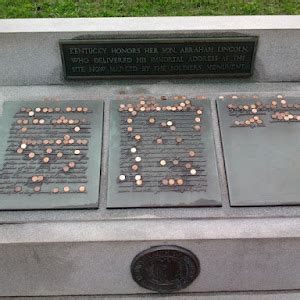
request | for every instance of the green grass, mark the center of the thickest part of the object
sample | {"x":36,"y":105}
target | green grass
{"x":133,"y":8}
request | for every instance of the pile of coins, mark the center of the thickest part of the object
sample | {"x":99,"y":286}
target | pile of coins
{"x":285,"y":117}
{"x":259,"y":107}
{"x":50,"y":148}
{"x":148,"y":106}
{"x":156,"y":110}
{"x":277,"y":108}
{"x":251,"y":122}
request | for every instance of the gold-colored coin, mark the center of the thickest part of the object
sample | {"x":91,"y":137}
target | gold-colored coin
{"x":188,"y":165}
{"x":165,"y":181}
{"x":19,"y":150}
{"x":31,"y":155}
{"x":151,"y":120}
{"x":175,"y":162}
{"x":193,"y":172}
{"x":171,"y":181}
{"x":18,"y":189}
{"x":179,"y":181}
{"x":69,"y":109}
{"x":37,"y":189}
{"x":82,"y":189}
{"x":49,"y":150}
{"x":139,"y":182}
{"x":122,"y":177}
{"x":163,"y":162}
{"x":46,"y":160}
{"x":178,"y":140}
{"x":134,"y":167}
{"x":66,"y":189}
{"x":59,"y":154}
{"x":192,"y":153}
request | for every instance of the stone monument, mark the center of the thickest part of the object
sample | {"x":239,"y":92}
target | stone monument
{"x":150,"y":155}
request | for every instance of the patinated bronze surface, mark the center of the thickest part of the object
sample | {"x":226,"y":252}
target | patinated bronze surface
{"x":162,"y":153}
{"x":50,"y":154}
{"x":165,"y":268}
{"x":177,"y":57}
{"x":260,"y":138}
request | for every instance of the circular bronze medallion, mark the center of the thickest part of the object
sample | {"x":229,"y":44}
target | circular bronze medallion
{"x":165,"y":268}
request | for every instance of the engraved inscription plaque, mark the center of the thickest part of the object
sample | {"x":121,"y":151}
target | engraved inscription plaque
{"x":165,"y":268}
{"x":162,"y":153}
{"x":209,"y":56}
{"x":260,"y":138}
{"x":50,"y":154}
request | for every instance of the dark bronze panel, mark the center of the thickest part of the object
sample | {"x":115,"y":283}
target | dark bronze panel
{"x":260,"y":138}
{"x":50,"y":154}
{"x":162,"y":153}
{"x":165,"y":268}
{"x":210,"y":56}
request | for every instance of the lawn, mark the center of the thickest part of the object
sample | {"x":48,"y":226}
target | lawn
{"x":133,"y":8}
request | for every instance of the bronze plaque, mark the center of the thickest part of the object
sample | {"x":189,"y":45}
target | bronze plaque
{"x":165,"y":268}
{"x":50,"y":154}
{"x":175,"y":57}
{"x":260,"y":137}
{"x":162,"y":153}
